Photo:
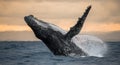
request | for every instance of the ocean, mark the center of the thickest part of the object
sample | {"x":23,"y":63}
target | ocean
{"x":36,"y":53}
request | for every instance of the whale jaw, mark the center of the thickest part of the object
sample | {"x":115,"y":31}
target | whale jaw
{"x":34,"y":22}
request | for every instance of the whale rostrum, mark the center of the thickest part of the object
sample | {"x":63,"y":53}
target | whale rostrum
{"x":55,"y":38}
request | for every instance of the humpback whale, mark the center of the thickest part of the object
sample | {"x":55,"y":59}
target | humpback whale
{"x":56,"y":39}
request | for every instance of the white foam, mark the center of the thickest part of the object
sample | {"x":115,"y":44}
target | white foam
{"x":91,"y":45}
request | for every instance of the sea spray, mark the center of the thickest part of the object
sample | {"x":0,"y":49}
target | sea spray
{"x":91,"y":45}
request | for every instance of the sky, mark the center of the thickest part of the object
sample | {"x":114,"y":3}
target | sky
{"x":104,"y":16}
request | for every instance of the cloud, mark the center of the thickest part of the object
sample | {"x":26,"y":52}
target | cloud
{"x":14,"y":28}
{"x":95,"y":27}
{"x":105,"y":12}
{"x":63,"y":14}
{"x":12,"y":21}
{"x":29,"y":36}
{"x":18,"y":36}
{"x":56,"y":10}
{"x":101,"y":10}
{"x":113,"y":36}
{"x":104,"y":16}
{"x":45,"y":0}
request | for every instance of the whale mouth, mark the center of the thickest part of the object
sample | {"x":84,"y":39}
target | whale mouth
{"x":28,"y":18}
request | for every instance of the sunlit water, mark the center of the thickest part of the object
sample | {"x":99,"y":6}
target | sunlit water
{"x":36,"y":53}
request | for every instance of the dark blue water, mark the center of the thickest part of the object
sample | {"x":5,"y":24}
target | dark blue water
{"x":36,"y":53}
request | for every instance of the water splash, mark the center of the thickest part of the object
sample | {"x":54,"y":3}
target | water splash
{"x":91,"y":45}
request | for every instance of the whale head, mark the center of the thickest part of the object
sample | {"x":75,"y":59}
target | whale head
{"x":38,"y":26}
{"x":34,"y":22}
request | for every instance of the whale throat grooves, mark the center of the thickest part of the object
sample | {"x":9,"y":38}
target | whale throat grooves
{"x":56,"y":39}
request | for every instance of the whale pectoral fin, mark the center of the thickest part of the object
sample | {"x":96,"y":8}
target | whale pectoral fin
{"x":77,"y":27}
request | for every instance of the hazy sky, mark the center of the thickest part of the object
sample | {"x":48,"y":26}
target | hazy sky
{"x":104,"y":15}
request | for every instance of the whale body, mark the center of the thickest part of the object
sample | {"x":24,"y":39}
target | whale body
{"x":56,"y":39}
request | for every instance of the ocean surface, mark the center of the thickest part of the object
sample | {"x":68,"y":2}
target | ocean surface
{"x":36,"y":53}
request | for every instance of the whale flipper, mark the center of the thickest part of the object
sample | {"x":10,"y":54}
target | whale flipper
{"x":56,"y":39}
{"x":77,"y":27}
